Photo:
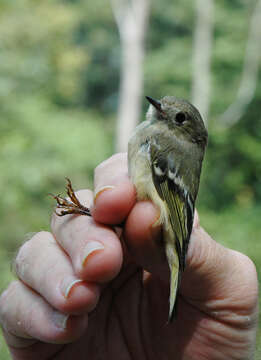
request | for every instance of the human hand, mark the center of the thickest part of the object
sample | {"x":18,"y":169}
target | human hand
{"x":112,"y":302}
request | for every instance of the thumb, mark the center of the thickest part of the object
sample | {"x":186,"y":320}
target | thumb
{"x":217,"y":277}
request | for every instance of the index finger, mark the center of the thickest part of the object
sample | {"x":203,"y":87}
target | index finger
{"x":115,"y":195}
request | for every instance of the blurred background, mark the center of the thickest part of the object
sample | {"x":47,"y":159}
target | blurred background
{"x":73,"y":75}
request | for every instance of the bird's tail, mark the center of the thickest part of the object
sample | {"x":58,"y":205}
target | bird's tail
{"x":174,"y":282}
{"x":175,"y":275}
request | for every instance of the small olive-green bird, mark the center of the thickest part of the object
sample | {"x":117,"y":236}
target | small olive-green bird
{"x":165,"y":155}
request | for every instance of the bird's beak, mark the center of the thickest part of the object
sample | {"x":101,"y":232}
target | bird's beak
{"x":155,"y":103}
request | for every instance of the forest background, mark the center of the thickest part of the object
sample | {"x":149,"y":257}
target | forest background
{"x":60,"y":74}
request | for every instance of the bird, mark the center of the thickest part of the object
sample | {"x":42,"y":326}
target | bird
{"x":165,"y":155}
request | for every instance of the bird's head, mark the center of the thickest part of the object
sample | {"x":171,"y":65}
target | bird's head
{"x":180,"y":116}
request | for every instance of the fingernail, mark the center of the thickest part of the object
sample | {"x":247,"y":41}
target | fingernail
{"x":67,"y":286}
{"x":101,"y":190}
{"x":196,"y":220}
{"x":60,"y":319}
{"x":90,"y":249}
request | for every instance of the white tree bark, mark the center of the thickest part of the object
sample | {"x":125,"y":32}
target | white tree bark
{"x":132,"y":18}
{"x":248,"y":83}
{"x":203,"y":38}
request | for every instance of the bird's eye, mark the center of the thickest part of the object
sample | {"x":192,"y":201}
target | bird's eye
{"x":180,"y":117}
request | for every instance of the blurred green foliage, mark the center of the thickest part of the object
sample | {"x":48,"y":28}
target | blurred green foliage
{"x":59,"y":78}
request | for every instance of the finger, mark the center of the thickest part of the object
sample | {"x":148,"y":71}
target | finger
{"x":213,"y":274}
{"x":114,"y":192}
{"x":25,"y":317}
{"x":94,"y":249}
{"x":144,"y":239}
{"x":43,"y":265}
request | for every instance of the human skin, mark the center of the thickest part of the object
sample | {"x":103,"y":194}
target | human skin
{"x":112,"y":303}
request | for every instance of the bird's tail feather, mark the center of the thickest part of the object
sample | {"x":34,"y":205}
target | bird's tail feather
{"x":174,"y":283}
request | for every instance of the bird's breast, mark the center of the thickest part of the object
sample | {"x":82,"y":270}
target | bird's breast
{"x":141,"y":176}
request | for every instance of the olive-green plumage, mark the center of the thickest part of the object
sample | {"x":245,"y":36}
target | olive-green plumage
{"x":165,"y":155}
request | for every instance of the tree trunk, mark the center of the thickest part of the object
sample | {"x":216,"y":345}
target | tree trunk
{"x":132,"y":19}
{"x":248,"y":83}
{"x":203,"y":39}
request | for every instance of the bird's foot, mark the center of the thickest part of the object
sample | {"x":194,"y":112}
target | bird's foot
{"x":71,"y":205}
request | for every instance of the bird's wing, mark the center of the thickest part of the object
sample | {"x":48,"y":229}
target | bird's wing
{"x":172,"y":191}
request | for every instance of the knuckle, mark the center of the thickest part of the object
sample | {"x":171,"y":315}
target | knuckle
{"x":247,"y":272}
{"x":108,"y":162}
{"x":6,"y":299}
{"x":27,"y":251}
{"x":248,"y":268}
{"x":99,"y":168}
{"x":21,"y":256}
{"x":3,"y":301}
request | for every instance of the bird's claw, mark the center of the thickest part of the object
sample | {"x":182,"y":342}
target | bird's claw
{"x":71,"y":205}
